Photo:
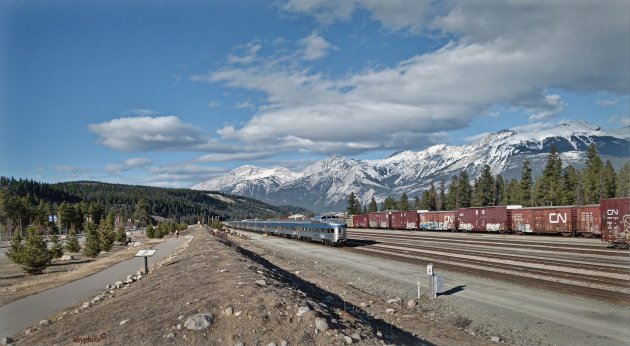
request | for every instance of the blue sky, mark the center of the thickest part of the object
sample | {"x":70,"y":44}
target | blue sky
{"x":171,"y":93}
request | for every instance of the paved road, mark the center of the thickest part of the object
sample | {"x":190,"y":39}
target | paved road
{"x":29,"y":310}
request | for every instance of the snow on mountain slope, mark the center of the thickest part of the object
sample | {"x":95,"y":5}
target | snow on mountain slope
{"x":325,"y":184}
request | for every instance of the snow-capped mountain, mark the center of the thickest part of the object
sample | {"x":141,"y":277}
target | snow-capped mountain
{"x":325,"y":184}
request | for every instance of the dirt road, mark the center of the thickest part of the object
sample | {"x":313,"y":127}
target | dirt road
{"x":518,"y":314}
{"x":30,"y":310}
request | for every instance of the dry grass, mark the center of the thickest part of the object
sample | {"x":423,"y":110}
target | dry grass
{"x":27,"y":285}
{"x":459,"y":321}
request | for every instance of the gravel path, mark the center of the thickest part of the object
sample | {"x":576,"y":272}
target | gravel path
{"x":30,"y":310}
{"x":519,"y":314}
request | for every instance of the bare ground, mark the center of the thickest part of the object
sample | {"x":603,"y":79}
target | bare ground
{"x":213,"y":274}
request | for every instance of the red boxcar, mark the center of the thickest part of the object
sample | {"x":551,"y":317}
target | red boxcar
{"x":380,"y":220}
{"x":484,"y":219}
{"x":588,"y":220}
{"x":555,"y":219}
{"x":523,"y":220}
{"x":404,"y":219}
{"x":615,"y":214}
{"x":360,"y":221}
{"x":437,"y":220}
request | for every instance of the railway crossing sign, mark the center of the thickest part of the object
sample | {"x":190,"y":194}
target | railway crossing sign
{"x":430,"y":269}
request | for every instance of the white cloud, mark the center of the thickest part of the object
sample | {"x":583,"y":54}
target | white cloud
{"x":501,"y":53}
{"x":249,"y":52}
{"x":245,"y":105}
{"x":214,"y":104}
{"x":621,"y":120}
{"x":66,"y":168}
{"x":315,"y":47}
{"x":607,"y":103}
{"x":166,"y":133}
{"x":128,"y":164}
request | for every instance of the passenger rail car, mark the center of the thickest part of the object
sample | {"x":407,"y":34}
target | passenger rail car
{"x":329,"y":231}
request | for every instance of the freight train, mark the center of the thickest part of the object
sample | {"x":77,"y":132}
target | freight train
{"x":326,"y":229}
{"x":609,"y":219}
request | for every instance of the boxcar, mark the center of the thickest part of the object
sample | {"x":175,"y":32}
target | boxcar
{"x":404,"y":219}
{"x":437,"y":220}
{"x":560,"y":219}
{"x":588,"y":221}
{"x":380,"y":220}
{"x":523,"y":221}
{"x":360,"y":221}
{"x":615,"y":221}
{"x":484,"y":219}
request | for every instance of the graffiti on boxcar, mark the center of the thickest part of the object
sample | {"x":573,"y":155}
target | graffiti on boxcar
{"x":524,"y":227}
{"x":493,"y":227}
{"x":465,"y":226}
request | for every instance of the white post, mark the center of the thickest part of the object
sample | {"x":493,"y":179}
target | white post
{"x":418,"y":289}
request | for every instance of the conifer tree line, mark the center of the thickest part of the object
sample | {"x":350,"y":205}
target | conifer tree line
{"x":559,"y":184}
{"x":27,"y":202}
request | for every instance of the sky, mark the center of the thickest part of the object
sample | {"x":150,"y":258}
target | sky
{"x":172,"y":93}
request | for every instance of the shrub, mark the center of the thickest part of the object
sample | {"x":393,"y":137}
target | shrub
{"x":159,"y":231}
{"x":92,"y":246}
{"x":106,"y":237}
{"x":150,"y":231}
{"x":56,"y":250}
{"x":72,"y":242}
{"x":35,"y":255}
{"x":460,"y":321}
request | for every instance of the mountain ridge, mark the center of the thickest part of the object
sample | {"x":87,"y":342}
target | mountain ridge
{"x":325,"y":184}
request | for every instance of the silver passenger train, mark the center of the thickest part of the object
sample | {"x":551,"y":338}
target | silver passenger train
{"x":326,"y":229}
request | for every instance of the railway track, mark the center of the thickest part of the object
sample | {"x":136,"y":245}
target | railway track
{"x":491,"y":259}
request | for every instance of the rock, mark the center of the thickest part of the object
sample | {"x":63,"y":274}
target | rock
{"x":129,"y":277}
{"x":412,"y":304}
{"x":170,"y":335}
{"x":284,"y":343}
{"x":363,"y":305}
{"x":76,"y":311}
{"x":28,"y":331}
{"x":6,"y":340}
{"x":347,"y":339}
{"x":321,"y":324}
{"x":66,"y":258}
{"x":139,"y":273}
{"x":379,"y":334}
{"x":199,"y":321}
{"x":390,"y":311}
{"x":180,"y":317}
{"x":123,"y":322}
{"x":393,"y":301}
{"x":302,"y":310}
{"x":108,"y":286}
{"x":95,"y":300}
{"x":179,"y":327}
{"x":238,"y":313}
{"x":85,"y":305}
{"x":239,"y":344}
{"x":271,"y":344}
{"x":222,"y":270}
{"x":495,"y":338}
{"x":229,"y":311}
{"x":356,"y":336}
{"x":118,"y":284}
{"x":43,"y":323}
{"x":261,"y":282}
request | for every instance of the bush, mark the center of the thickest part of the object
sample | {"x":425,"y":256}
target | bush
{"x":150,"y":231}
{"x":56,"y":250}
{"x":72,"y":242}
{"x":460,"y":321}
{"x":160,"y":230}
{"x":35,"y":255}
{"x":121,"y":235}
{"x":92,"y":246}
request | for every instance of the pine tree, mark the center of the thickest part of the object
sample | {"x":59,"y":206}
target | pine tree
{"x":441,"y":198}
{"x":433,"y":196}
{"x":571,"y":192}
{"x":159,"y":230}
{"x":465,"y":190}
{"x":35,"y":255}
{"x":121,"y":235}
{"x":610,"y":180}
{"x":56,"y":250}
{"x":452,"y":198}
{"x":623,"y":181}
{"x":477,"y":194}
{"x":92,"y":246}
{"x":403,"y":204}
{"x":592,"y":176}
{"x":372,"y":206}
{"x":106,"y":233}
{"x":141,"y":213}
{"x":499,"y":190}
{"x":72,"y":242}
{"x":526,"y":186}
{"x":16,"y":252}
{"x":416,"y":202}
{"x":354,"y":206}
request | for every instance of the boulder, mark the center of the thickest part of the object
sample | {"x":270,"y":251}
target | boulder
{"x":411,"y":304}
{"x":229,"y":311}
{"x":95,"y":300}
{"x":302,"y":310}
{"x":347,"y":339}
{"x":390,"y":311}
{"x":356,"y":336}
{"x":6,"y":341}
{"x":261,"y":282}
{"x":495,"y":338}
{"x":118,"y":284}
{"x":199,"y":321}
{"x":85,"y":305}
{"x":321,"y":324}
{"x":123,"y":322}
{"x":43,"y":323}
{"x":66,"y":258}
